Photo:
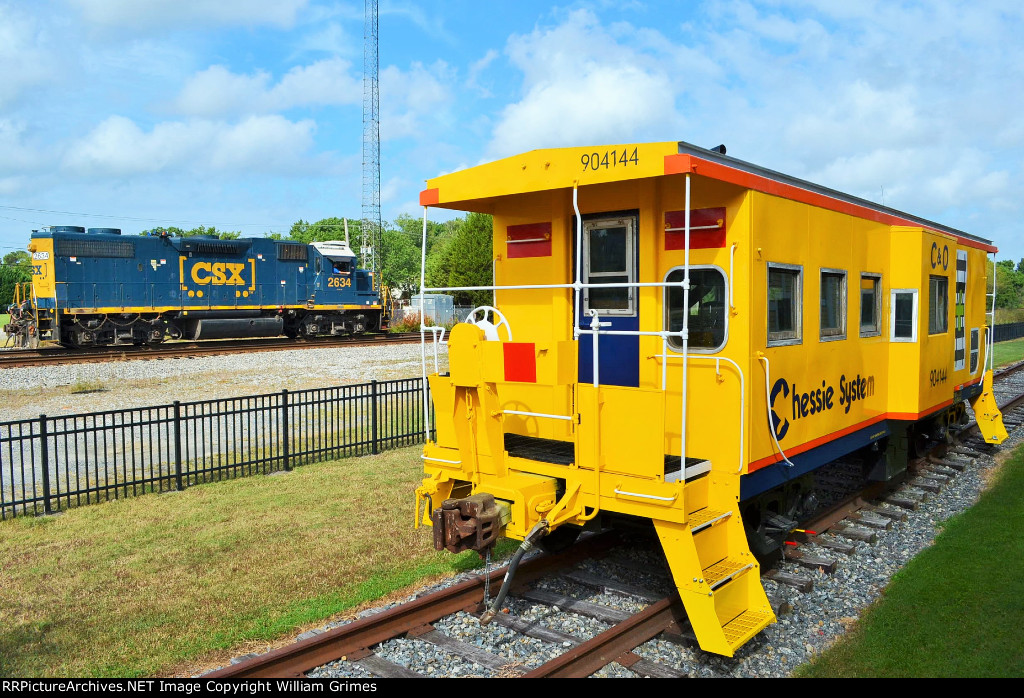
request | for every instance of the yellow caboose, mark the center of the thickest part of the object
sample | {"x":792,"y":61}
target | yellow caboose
{"x":684,"y":337}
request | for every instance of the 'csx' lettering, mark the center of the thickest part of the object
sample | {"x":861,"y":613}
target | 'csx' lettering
{"x":218,"y":273}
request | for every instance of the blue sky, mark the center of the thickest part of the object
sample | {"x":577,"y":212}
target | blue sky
{"x":246,"y":115}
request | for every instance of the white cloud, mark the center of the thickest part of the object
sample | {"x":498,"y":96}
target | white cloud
{"x":146,"y":14}
{"x":414,"y":100}
{"x":919,"y":98}
{"x":217,"y":91}
{"x":118,"y":147}
{"x":24,"y":62}
{"x":582,"y":85}
{"x":17,"y":156}
{"x":475,"y":70}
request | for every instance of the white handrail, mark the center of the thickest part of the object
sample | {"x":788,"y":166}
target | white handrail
{"x":538,"y":414}
{"x":442,"y":460}
{"x":646,"y":496}
{"x":423,"y":331}
{"x":686,"y":320}
{"x":768,"y":407}
{"x":743,"y":391}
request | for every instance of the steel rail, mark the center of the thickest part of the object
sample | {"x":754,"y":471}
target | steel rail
{"x":359,"y":636}
{"x":19,"y":358}
{"x":620,"y":639}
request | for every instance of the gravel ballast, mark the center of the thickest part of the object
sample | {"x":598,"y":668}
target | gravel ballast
{"x":807,"y":622}
{"x":54,"y":390}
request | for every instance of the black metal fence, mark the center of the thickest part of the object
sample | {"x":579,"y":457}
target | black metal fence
{"x":51,"y":463}
{"x":1007,"y":331}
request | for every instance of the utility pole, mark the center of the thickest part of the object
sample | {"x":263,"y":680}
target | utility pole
{"x":371,"y":221}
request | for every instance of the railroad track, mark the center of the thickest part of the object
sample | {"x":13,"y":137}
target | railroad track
{"x":600,"y":607}
{"x":19,"y":358}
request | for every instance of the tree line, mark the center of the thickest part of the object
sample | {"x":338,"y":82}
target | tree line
{"x":458,"y":252}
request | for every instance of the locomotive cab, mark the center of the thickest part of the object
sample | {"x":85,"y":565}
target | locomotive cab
{"x":687,"y":338}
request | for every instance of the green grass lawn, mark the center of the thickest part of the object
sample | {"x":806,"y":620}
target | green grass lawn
{"x":168,"y":583}
{"x":1008,"y":352}
{"x":956,"y":609}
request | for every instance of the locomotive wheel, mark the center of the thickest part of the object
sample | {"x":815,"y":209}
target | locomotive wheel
{"x":559,"y":539}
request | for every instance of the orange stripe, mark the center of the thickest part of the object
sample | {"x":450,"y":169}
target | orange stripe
{"x":429,"y":197}
{"x":680,"y":164}
{"x":807,"y":446}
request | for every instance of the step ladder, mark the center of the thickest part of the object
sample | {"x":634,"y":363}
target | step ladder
{"x":986,"y":411}
{"x":987,"y":414}
{"x":717,"y":576}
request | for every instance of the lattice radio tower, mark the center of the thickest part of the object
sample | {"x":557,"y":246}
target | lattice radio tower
{"x":371,"y":221}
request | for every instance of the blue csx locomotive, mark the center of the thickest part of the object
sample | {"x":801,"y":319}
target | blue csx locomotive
{"x":96,"y":287}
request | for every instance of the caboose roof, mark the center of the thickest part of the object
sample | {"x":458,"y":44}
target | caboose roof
{"x":548,"y":169}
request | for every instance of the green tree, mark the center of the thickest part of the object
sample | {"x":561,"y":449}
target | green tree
{"x":9,"y":277}
{"x":326,"y":229}
{"x":399,"y":261}
{"x":412,"y":228}
{"x":462,"y":256}
{"x":1009,"y":283}
{"x":201,"y":230}
{"x":20,"y":259}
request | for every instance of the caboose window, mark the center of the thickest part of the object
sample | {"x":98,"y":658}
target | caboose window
{"x":870,"y":305}
{"x":608,"y":259}
{"x":784,"y":304}
{"x":903,"y":315}
{"x":938,"y":304}
{"x":707,"y":323}
{"x":833,"y":304}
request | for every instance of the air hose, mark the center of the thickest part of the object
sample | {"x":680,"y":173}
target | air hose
{"x":526,"y":546}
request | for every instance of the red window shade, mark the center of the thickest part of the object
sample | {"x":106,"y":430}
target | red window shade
{"x":529,"y":240}
{"x":707,"y":229}
{"x":520,"y":362}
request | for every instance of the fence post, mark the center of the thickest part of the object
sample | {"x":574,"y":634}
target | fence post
{"x":44,"y":457}
{"x":177,"y":446}
{"x":284,"y":429}
{"x":375,"y":446}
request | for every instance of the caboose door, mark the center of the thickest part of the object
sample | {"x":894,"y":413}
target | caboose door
{"x":610,"y":257}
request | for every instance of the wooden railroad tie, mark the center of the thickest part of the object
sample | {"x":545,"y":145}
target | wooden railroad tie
{"x":902,"y":502}
{"x":797,"y":581}
{"x":889,"y":512}
{"x":951,"y":464}
{"x":927,"y":485}
{"x":871,"y":520}
{"x":812,"y":561}
{"x":854,"y":533}
{"x":834,"y":545}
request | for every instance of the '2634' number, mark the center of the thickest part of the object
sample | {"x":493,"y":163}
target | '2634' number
{"x":609,"y":159}
{"x":338,"y":282}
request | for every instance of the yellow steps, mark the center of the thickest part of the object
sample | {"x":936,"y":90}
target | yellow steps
{"x":745,"y":626}
{"x":717,"y":577}
{"x":987,"y":414}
